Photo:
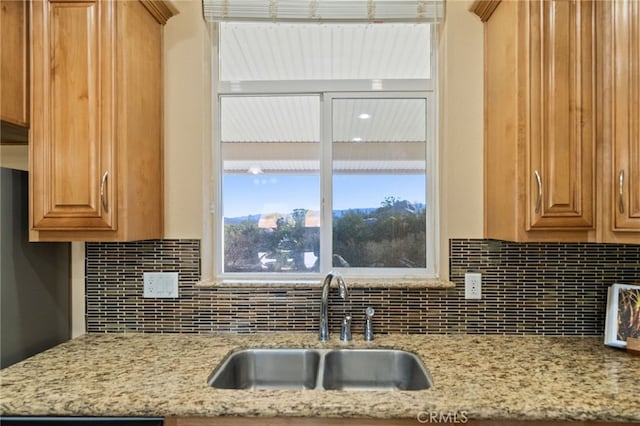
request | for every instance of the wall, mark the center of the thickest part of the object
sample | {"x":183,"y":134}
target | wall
{"x":187,"y":120}
{"x":14,"y":157}
{"x":528,"y":288}
{"x":187,"y":117}
{"x":188,"y":127}
{"x":34,"y":290}
{"x":535,"y":288}
{"x":461,"y":142}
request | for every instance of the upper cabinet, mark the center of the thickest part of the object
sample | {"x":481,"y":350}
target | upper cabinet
{"x":14,"y":63}
{"x":546,"y":97}
{"x":96,"y":139}
{"x":539,"y":123}
{"x":557,"y":121}
{"x":620,"y":126}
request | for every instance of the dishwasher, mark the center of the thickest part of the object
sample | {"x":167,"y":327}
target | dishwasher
{"x":80,"y":421}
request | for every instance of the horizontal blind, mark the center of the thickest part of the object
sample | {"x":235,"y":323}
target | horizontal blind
{"x":324,"y":10}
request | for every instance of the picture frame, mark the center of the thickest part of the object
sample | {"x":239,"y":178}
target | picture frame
{"x":623,"y":314}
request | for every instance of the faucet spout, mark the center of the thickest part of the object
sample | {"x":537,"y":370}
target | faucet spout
{"x":323,"y":335}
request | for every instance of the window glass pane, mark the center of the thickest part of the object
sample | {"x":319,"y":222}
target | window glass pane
{"x":379,"y":183}
{"x":258,"y":51}
{"x":270,"y":150}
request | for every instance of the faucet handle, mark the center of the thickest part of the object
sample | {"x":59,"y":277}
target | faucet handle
{"x":345,"y":332}
{"x":368,"y":328}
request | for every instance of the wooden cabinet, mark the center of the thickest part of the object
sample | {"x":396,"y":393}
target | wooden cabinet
{"x":561,"y":120}
{"x":14,"y":64}
{"x":320,"y":421}
{"x":96,"y":135}
{"x":539,"y":124}
{"x":620,"y":124}
{"x":557,"y":58}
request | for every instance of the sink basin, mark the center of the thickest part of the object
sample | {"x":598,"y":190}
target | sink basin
{"x":268,"y":369}
{"x":374,"y":369}
{"x":330,"y":369}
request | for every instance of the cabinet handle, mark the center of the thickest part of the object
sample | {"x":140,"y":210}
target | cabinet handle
{"x":621,"y":191}
{"x":539,"y":200}
{"x":103,"y":182}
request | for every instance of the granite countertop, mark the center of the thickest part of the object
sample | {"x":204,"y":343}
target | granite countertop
{"x":524,"y":377}
{"x":407,"y":282}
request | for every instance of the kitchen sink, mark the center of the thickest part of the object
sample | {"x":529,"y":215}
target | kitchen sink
{"x":268,"y":369}
{"x":321,"y":369}
{"x":374,"y":369}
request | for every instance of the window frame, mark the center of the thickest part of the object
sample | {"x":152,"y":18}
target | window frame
{"x":327,"y":90}
{"x":326,"y":176}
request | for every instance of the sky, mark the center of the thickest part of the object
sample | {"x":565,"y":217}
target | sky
{"x":245,"y":195}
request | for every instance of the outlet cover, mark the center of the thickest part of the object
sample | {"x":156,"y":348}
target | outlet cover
{"x":473,"y":285}
{"x":160,"y":285}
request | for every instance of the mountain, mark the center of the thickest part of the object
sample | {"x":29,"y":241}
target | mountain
{"x":236,"y":220}
{"x":402,"y":206}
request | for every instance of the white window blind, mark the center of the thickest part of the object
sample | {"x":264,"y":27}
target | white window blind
{"x":324,"y":10}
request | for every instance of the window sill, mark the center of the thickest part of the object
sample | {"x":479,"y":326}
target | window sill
{"x":352,"y":283}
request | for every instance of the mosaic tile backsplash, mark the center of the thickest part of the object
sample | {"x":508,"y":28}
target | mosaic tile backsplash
{"x":530,"y":288}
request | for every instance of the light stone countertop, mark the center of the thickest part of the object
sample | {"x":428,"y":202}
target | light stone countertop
{"x":524,"y":377}
{"x":408,"y":282}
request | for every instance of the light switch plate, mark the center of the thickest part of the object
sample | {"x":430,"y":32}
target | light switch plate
{"x":161,"y":285}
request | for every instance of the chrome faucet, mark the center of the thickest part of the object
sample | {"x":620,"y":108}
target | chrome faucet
{"x":368,"y":327}
{"x":345,"y":331}
{"x":324,"y":307}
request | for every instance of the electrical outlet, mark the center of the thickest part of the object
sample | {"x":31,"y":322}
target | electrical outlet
{"x":473,"y":285}
{"x":161,"y":285}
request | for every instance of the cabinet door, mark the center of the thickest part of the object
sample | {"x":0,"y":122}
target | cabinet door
{"x":72,"y":148}
{"x":560,"y":116}
{"x":626,"y":115}
{"x":14,"y":72}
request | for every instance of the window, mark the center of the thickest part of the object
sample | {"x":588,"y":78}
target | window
{"x":326,"y":152}
{"x":270,"y":150}
{"x":379,"y":182}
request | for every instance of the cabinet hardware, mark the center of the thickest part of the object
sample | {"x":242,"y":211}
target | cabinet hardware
{"x":539,"y":200}
{"x":103,"y":182}
{"x":621,"y":191}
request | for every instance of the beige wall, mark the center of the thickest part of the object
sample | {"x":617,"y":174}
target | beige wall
{"x":461,"y":127}
{"x":186,"y":130}
{"x":14,"y":157}
{"x":462,"y":122}
{"x":187,"y":99}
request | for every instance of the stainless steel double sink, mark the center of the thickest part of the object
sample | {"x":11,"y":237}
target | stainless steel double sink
{"x":322,"y":369}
